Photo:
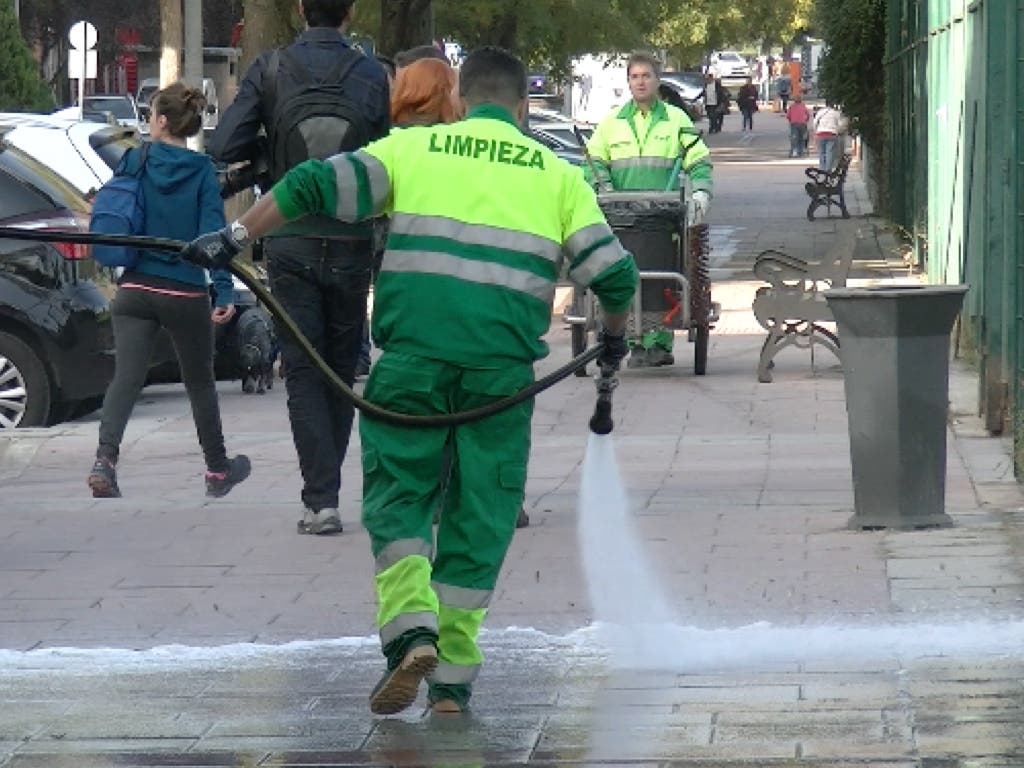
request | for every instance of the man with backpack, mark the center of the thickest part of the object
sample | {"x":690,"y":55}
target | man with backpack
{"x":314,"y":98}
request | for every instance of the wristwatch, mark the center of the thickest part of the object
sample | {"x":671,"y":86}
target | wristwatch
{"x":239,"y":233}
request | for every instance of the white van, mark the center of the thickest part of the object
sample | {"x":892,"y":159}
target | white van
{"x":150,"y":85}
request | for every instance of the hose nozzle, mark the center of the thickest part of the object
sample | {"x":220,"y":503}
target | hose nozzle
{"x":606,"y":382}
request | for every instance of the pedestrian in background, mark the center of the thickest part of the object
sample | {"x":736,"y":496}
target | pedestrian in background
{"x":716,"y":103}
{"x":784,"y":87}
{"x":320,"y":268}
{"x":798,"y":117}
{"x":161,"y":292}
{"x":746,"y":99}
{"x":827,"y":125}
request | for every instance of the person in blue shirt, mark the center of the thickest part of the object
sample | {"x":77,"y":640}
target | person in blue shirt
{"x":182,"y":201}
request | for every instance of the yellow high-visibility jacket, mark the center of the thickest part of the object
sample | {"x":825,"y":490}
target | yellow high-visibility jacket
{"x":636,"y":151}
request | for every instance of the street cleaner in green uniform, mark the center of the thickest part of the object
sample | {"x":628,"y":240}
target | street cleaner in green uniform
{"x":483,"y":221}
{"x":643,"y":146}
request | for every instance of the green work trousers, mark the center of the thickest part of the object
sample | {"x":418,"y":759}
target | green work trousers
{"x":423,"y":589}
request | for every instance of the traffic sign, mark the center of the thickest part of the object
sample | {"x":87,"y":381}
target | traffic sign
{"x":75,"y":64}
{"x":82,"y":35}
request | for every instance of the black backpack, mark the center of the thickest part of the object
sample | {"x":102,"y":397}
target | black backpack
{"x":310,"y":118}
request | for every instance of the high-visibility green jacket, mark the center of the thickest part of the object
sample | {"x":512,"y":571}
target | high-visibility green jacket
{"x":483,"y":220}
{"x":637,"y":151}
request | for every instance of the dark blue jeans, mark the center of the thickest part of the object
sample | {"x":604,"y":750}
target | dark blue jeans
{"x":323,"y":285}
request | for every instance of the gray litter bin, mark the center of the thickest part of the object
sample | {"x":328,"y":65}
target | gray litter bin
{"x":894,"y":343}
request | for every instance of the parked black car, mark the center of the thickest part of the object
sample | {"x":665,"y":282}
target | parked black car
{"x":572,"y":153}
{"x":56,"y":340}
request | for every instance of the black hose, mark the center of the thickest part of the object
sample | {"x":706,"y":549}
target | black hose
{"x":369,"y":409}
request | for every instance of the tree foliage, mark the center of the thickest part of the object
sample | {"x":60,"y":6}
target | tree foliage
{"x":851,"y":70}
{"x":546,"y":33}
{"x":21,"y":88}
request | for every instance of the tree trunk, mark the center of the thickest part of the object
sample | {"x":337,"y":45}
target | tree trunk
{"x":405,"y":24}
{"x":170,"y":40}
{"x":268,"y":24}
{"x":508,"y":31}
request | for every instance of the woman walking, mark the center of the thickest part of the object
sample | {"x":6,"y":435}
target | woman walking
{"x":746,"y":99}
{"x":182,"y":201}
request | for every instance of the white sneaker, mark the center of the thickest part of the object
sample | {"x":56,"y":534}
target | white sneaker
{"x":320,"y":523}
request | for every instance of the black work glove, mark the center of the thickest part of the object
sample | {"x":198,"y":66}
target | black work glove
{"x":213,"y":250}
{"x":613,"y":350}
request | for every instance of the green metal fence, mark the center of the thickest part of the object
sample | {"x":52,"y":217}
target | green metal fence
{"x":956,"y":170}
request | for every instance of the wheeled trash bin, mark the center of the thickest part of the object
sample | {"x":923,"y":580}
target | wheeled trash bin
{"x":674,"y":291}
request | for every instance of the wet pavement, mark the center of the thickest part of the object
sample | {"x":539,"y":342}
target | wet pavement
{"x":167,"y":629}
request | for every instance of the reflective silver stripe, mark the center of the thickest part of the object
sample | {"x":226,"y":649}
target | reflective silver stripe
{"x":454,"y":674}
{"x":398,"y":550}
{"x":597,"y":262}
{"x":587,"y":237}
{"x":488,"y":273}
{"x":462,"y":597}
{"x":345,"y":181}
{"x":403,"y":622}
{"x":643,"y":162}
{"x":475,"y":234}
{"x":380,"y":182}
{"x":347,"y":184}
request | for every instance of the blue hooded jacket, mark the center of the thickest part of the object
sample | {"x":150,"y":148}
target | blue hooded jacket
{"x":182,"y":201}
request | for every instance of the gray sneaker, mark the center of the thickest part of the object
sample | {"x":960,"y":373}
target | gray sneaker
{"x":320,"y":523}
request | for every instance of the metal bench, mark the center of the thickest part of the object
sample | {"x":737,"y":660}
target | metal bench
{"x":792,"y":307}
{"x":825,"y":188}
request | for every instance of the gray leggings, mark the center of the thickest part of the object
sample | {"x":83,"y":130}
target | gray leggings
{"x":138,"y":316}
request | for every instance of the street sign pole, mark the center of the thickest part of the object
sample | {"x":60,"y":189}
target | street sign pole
{"x":82,"y":37}
{"x":81,"y":87}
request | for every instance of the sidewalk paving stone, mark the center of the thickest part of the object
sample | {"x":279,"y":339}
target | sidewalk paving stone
{"x":168,"y":629}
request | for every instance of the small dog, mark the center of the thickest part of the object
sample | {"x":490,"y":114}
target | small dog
{"x":257,"y":350}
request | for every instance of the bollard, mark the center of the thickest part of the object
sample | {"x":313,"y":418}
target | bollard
{"x":894,"y":343}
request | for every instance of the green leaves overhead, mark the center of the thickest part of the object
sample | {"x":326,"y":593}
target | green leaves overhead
{"x":549,"y":32}
{"x":851,"y":70}
{"x":20,"y":85}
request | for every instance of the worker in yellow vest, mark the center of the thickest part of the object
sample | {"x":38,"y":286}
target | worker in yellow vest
{"x":643,"y":145}
{"x":462,"y":302}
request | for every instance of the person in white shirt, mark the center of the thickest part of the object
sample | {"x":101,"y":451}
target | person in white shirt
{"x":827,"y":128}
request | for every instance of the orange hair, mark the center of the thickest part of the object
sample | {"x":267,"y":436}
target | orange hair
{"x":424,"y":94}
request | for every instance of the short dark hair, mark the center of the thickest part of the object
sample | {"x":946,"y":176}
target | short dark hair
{"x":642,"y":57}
{"x":326,"y":13}
{"x":405,"y":58}
{"x":492,"y":74}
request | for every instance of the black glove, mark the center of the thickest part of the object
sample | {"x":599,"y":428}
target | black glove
{"x":613,"y":350}
{"x":213,"y":250}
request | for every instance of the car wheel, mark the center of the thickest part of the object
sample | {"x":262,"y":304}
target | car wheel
{"x":25,"y":393}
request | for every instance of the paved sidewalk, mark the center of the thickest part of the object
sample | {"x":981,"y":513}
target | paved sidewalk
{"x":167,"y":629}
